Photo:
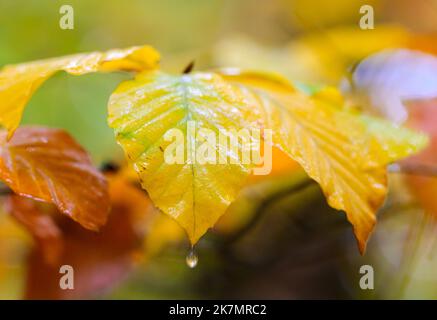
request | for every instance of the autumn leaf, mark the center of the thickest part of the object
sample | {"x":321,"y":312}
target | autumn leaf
{"x":319,"y":56}
{"x":41,"y":226}
{"x":382,"y":82}
{"x":48,"y":165}
{"x":338,"y":149}
{"x":143,"y":110}
{"x":422,"y":116}
{"x":382,"y":142}
{"x":19,"y":82}
{"x":100,"y":260}
{"x":401,"y":85}
{"x":163,"y":231}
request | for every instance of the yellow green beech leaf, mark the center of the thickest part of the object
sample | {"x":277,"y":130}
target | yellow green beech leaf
{"x":19,"y":82}
{"x":392,"y":138}
{"x":382,"y":142}
{"x":144,"y":110}
{"x":344,"y":152}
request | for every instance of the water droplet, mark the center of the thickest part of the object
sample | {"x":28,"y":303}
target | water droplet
{"x":192,"y":259}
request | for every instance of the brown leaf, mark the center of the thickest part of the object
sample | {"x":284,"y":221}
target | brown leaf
{"x":42,"y":227}
{"x":423,"y":116}
{"x":48,"y":165}
{"x":99,"y":260}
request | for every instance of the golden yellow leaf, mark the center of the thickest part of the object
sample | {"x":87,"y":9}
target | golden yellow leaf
{"x":19,"y":82}
{"x":142,"y":110}
{"x":382,"y":142}
{"x":344,"y":152}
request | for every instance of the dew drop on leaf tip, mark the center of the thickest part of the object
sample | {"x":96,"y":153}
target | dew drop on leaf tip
{"x":191,"y":258}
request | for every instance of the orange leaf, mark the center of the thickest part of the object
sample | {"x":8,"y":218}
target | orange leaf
{"x":282,"y":165}
{"x":423,"y":116}
{"x":48,"y":165}
{"x":44,"y":230}
{"x":99,"y":260}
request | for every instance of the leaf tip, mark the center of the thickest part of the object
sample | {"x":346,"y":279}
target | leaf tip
{"x":362,"y":245}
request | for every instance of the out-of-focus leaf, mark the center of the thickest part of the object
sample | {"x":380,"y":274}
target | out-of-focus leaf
{"x":131,"y":200}
{"x":424,"y":42}
{"x":253,"y":196}
{"x":143,"y":110}
{"x":19,"y":82}
{"x":422,"y":115}
{"x":309,"y":15}
{"x":14,"y":244}
{"x":282,"y":165}
{"x":320,"y":57}
{"x":48,"y":165}
{"x":401,"y":85}
{"x":162,"y":231}
{"x":330,"y":52}
{"x":41,"y":226}
{"x":335,"y":147}
{"x":382,"y":82}
{"x":99,"y":260}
